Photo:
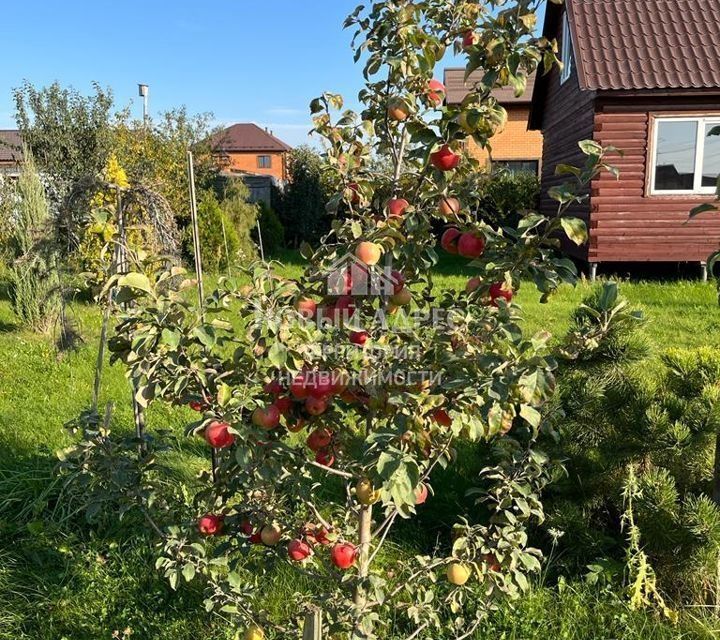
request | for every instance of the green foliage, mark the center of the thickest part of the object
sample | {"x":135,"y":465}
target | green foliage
{"x":154,"y":153}
{"x":34,"y":280}
{"x":273,"y":233}
{"x":219,"y":237}
{"x":242,"y":215}
{"x":617,"y":410}
{"x":301,"y":207}
{"x":505,"y":198}
{"x":68,"y":134}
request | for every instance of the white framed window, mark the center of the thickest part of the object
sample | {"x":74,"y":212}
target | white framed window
{"x":686,"y":158}
{"x":566,"y":51}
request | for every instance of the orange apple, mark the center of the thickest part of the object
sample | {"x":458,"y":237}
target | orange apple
{"x":368,"y":253}
{"x":449,"y":206}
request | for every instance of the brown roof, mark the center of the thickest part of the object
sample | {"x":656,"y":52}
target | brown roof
{"x":247,"y":137}
{"x":456,"y":88}
{"x":646,"y":44}
{"x":10,"y":145}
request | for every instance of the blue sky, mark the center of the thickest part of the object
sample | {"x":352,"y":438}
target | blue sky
{"x":242,"y":60}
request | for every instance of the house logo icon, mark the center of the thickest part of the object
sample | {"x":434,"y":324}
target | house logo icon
{"x":350,"y":276}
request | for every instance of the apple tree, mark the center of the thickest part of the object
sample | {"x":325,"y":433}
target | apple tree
{"x":333,"y":400}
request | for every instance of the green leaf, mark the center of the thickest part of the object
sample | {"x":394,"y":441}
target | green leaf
{"x":278,"y":355}
{"x":702,"y":208}
{"x":590,"y":148}
{"x":575,"y":229}
{"x":224,"y":394}
{"x":136,"y":280}
{"x":188,"y":572}
{"x":530,"y":415}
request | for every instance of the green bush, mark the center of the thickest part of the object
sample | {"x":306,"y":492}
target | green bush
{"x":617,"y":408}
{"x":273,"y":233}
{"x":505,"y":197}
{"x":218,"y":237}
{"x":301,"y":206}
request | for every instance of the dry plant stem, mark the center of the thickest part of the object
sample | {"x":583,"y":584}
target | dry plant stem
{"x":390,"y":521}
{"x":470,"y":631}
{"x":330,"y":470}
{"x":320,"y":519}
{"x":432,"y":565}
{"x":418,"y":631}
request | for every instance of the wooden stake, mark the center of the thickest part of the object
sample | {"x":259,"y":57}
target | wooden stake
{"x":197,"y":255}
{"x":123,"y":267}
{"x":312,"y":629}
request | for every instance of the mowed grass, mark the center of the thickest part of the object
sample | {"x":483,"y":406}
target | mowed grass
{"x":60,"y":578}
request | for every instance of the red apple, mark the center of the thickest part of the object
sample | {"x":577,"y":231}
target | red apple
{"x":398,"y":280}
{"x":398,"y":110}
{"x":284,"y":405}
{"x":270,"y":535}
{"x":255,"y":538}
{"x":340,"y":381}
{"x":449,"y":206}
{"x":343,"y":555}
{"x":469,"y":39}
{"x":397,"y":207}
{"x":273,"y":387}
{"x":196,"y":405}
{"x":500,"y":290}
{"x":267,"y":418}
{"x":296,"y":426}
{"x":368,"y":253}
{"x":298,"y":387}
{"x":445,"y":159}
{"x":436,"y":92}
{"x":359,"y":337}
{"x":325,"y":458}
{"x":210,"y":524}
{"x":307,"y":307}
{"x":355,"y":188}
{"x":492,"y":562}
{"x":319,"y":439}
{"x":471,"y":245}
{"x":442,"y":417}
{"x":315,"y":406}
{"x":299,"y":550}
{"x":473,"y":285}
{"x":421,"y":494}
{"x":323,"y":536}
{"x":402,"y":298}
{"x":341,"y":311}
{"x":319,"y":384}
{"x":450,"y":239}
{"x":246,"y":527}
{"x":217,"y":435}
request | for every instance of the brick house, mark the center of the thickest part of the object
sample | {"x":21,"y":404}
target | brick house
{"x":246,"y":149}
{"x":10,"y":152}
{"x":515,"y":147}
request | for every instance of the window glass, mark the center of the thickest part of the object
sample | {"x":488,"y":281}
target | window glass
{"x":566,"y":53}
{"x":711,"y":157}
{"x":264,"y":162}
{"x":675,"y":155}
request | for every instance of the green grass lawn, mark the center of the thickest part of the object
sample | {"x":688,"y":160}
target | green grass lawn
{"x":62,"y":579}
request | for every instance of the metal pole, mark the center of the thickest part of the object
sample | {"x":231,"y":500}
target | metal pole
{"x":198,"y":266}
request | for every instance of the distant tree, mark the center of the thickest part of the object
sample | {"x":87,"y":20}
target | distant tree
{"x":155,"y":153}
{"x":69,"y":134}
{"x":301,"y":208}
